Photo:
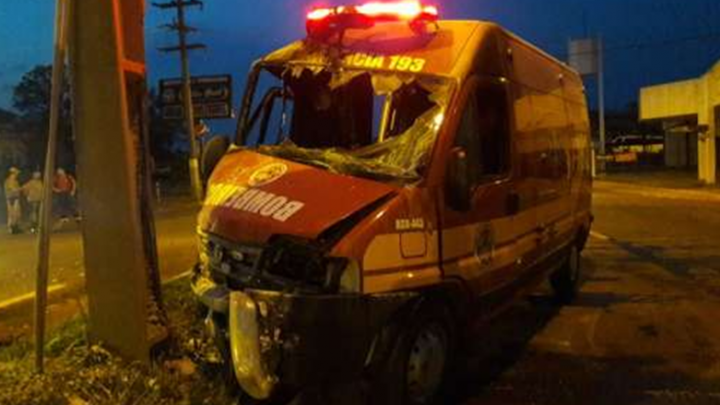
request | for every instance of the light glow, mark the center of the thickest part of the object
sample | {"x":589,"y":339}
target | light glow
{"x":323,"y":21}
{"x":319,"y":14}
{"x":405,"y":9}
{"x":431,"y":10}
{"x":438,"y":120}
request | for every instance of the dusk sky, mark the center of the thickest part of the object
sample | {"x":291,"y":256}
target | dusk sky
{"x":648,"y":41}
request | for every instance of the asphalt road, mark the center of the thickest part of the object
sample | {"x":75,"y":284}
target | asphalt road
{"x":175,"y":228}
{"x":644,"y":330}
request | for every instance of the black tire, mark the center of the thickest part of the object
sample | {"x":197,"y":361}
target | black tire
{"x":565,"y":281}
{"x":409,"y":377}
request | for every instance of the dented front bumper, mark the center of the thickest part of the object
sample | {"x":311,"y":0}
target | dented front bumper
{"x":247,"y":348}
{"x":293,"y":341}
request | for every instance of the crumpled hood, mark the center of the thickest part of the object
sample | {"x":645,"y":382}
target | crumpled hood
{"x":252,"y":197}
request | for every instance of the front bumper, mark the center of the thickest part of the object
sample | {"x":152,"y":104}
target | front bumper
{"x":288,"y":340}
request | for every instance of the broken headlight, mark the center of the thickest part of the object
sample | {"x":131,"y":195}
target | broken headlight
{"x":307,"y":264}
{"x":351,"y":278}
{"x":343,"y":276}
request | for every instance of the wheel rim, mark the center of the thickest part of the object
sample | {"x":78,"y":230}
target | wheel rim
{"x":426,"y":363}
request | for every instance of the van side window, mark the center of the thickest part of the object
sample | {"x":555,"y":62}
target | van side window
{"x":493,"y":129}
{"x":484,"y":132}
{"x":468,"y":140}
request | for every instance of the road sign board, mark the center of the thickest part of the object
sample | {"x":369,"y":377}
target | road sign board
{"x":584,"y":54}
{"x":212,"y":97}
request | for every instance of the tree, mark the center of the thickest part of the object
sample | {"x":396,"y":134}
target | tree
{"x":32,"y":95}
{"x":31,"y":98}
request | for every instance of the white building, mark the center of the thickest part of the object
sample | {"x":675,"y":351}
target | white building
{"x":690,"y":113}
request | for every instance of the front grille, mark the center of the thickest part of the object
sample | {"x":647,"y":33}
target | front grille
{"x":284,"y":264}
{"x":230,"y":261}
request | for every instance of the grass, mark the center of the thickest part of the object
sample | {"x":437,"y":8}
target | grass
{"x":78,"y":373}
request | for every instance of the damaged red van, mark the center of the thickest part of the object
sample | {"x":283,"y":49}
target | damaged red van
{"x":394,"y":176}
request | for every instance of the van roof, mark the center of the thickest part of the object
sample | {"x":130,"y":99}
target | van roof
{"x":442,"y":49}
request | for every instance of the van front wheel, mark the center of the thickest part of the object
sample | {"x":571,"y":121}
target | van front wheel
{"x":417,"y":367}
{"x":565,"y":281}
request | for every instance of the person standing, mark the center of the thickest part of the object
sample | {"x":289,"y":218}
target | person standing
{"x":33,"y":191}
{"x":13,"y":192}
{"x":64,"y":188}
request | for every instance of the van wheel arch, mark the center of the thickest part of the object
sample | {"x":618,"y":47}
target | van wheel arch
{"x":446,"y":299}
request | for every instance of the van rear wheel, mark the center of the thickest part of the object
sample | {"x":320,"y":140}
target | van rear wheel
{"x":565,"y":281}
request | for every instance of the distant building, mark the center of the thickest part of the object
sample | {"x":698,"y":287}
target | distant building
{"x":690,"y":113}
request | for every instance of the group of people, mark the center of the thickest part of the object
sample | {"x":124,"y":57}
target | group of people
{"x":64,"y":188}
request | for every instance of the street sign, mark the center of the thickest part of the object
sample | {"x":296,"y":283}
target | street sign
{"x":211,"y":96}
{"x":584,"y":55}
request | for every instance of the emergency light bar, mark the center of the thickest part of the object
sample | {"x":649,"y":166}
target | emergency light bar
{"x":323,"y":22}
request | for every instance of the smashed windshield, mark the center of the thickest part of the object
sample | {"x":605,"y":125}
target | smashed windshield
{"x":369,"y":124}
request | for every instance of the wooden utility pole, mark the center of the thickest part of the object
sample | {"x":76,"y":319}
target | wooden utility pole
{"x":183,"y":47}
{"x":107,"y":61}
{"x":41,"y":276}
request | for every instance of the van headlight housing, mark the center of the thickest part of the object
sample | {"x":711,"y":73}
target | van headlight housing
{"x":351,"y":278}
{"x":343,"y":276}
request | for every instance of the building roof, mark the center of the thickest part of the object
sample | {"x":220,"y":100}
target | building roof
{"x":681,"y":99}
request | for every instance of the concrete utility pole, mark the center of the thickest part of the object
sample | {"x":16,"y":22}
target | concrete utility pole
{"x":183,"y":47}
{"x":601,"y":92}
{"x":107,"y":60}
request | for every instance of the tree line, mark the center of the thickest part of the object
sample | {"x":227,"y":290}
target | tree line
{"x":29,"y":123}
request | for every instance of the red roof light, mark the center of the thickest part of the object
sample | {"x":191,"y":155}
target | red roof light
{"x":406,"y":10}
{"x":322,"y":20}
{"x":431,"y":11}
{"x":319,"y":14}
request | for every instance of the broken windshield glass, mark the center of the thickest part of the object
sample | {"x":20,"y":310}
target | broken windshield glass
{"x":370,"y":124}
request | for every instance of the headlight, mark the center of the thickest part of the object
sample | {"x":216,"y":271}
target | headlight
{"x":343,"y":276}
{"x":351,"y":278}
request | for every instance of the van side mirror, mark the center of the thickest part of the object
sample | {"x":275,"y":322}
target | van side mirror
{"x":457,"y":186}
{"x":213,"y":151}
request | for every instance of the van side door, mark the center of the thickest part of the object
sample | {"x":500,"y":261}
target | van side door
{"x":478,"y":239}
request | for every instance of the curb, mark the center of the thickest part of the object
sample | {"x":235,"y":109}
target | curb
{"x":20,"y":300}
{"x":58,"y":291}
{"x":659,"y":192}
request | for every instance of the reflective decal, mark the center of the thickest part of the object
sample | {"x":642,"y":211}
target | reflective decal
{"x":485,"y":244}
{"x":267,"y":174}
{"x":409,"y":224}
{"x":407,"y":64}
{"x":253,"y":201}
{"x":399,"y":63}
